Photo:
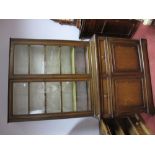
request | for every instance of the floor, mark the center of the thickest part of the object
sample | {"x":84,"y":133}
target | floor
{"x":148,"y":32}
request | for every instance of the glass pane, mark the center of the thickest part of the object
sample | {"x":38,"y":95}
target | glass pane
{"x":37,"y":98}
{"x":21,"y":59}
{"x":67,"y":96}
{"x":80,"y":60}
{"x":52,"y":60}
{"x":20,"y":98}
{"x":81,"y":96}
{"x":66,"y":60}
{"x":37,"y":59}
{"x":53,"y":94}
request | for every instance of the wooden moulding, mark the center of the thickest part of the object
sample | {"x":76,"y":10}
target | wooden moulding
{"x":95,"y":78}
{"x":20,"y":41}
{"x":19,"y":118}
{"x":147,"y":77}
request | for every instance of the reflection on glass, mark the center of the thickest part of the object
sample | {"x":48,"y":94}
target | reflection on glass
{"x":81,"y":96}
{"x":66,"y":60}
{"x":53,"y":94}
{"x":52,"y":60}
{"x":21,"y":59}
{"x":20,"y":98}
{"x":67,"y":97}
{"x":80,"y":61}
{"x":37,"y":98}
{"x":37,"y":59}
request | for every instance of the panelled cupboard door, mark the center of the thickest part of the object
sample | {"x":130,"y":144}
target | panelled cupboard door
{"x":125,"y":86}
{"x":126,"y":76}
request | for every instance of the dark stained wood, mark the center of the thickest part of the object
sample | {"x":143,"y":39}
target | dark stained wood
{"x":125,"y":56}
{"x":124,"y":77}
{"x":124,"y":28}
{"x":95,"y":98}
{"x":106,"y":96}
{"x":128,"y":95}
{"x":123,"y":126}
{"x":23,"y":41}
{"x":34,"y":117}
{"x":147,"y":78}
{"x":54,"y":77}
{"x":10,"y":100}
{"x":118,"y":78}
{"x":74,"y":22}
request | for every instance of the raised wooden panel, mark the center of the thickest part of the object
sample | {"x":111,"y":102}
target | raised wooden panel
{"x":125,"y":57}
{"x":128,"y":94}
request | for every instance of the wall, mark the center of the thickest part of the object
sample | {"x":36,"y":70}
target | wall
{"x":148,"y":32}
{"x":36,"y":29}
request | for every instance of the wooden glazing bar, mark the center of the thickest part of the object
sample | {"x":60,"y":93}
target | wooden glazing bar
{"x":29,"y":48}
{"x":61,"y":97}
{"x":54,"y":76}
{"x":28,"y":97}
{"x":45,"y":96}
{"x":45,"y":58}
{"x":73,"y":83}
